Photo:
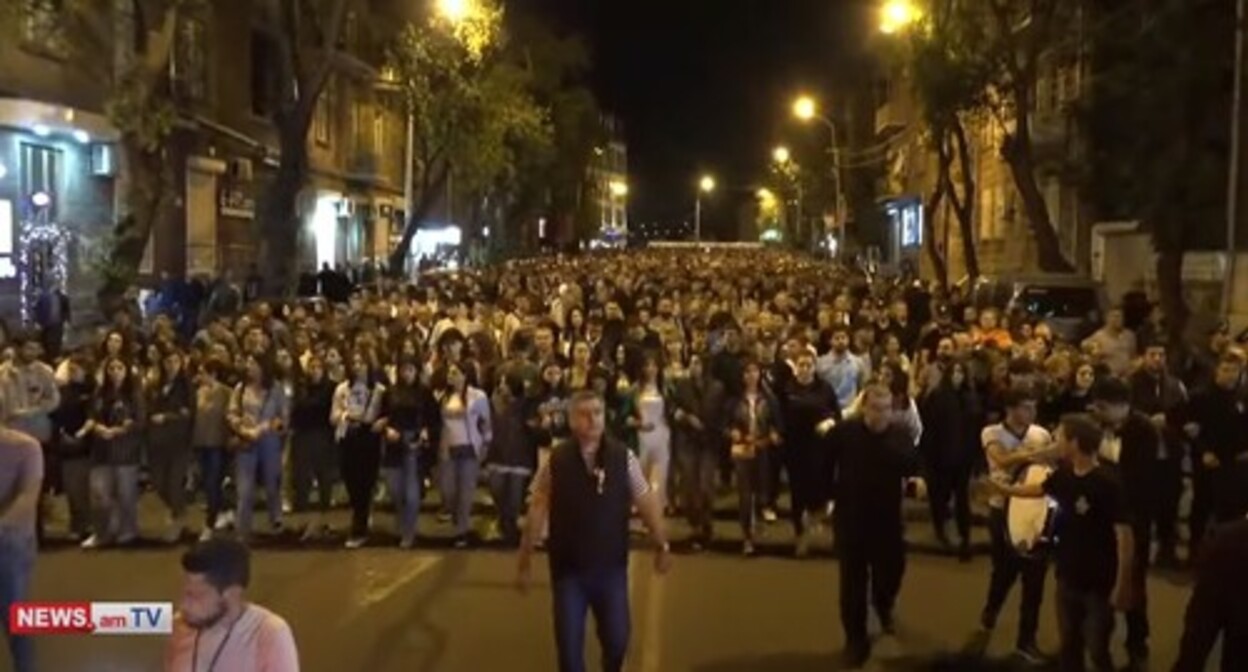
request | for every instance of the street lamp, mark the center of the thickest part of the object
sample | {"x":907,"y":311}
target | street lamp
{"x":805,"y":109}
{"x":781,"y":155}
{"x":455,"y":11}
{"x":619,"y":188}
{"x":897,"y":15}
{"x":706,"y":185}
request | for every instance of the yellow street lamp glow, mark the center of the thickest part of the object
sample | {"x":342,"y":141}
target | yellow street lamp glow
{"x":707,"y":184}
{"x":897,"y":15}
{"x":619,"y":189}
{"x":804,"y":108}
{"x":781,"y":154}
{"x":455,"y":11}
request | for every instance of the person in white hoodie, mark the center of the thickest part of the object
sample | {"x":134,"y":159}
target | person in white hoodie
{"x":30,"y":388}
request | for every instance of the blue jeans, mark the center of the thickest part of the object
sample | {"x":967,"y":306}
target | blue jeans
{"x":266,"y":454}
{"x":403,"y":482}
{"x":16,"y":564}
{"x":212,"y":473}
{"x":115,"y":501}
{"x":605,"y":593}
{"x":460,"y":471}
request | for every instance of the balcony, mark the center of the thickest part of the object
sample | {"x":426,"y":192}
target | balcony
{"x":890,"y":118}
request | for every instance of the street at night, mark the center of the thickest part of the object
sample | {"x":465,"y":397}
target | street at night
{"x":436,"y":609}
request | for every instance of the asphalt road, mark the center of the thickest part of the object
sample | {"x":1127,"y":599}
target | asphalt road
{"x":382,"y":610}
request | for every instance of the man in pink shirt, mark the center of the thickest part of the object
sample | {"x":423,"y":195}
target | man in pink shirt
{"x":216,"y":629}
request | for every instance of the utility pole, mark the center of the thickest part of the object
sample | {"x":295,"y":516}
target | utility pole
{"x":1233,"y":185}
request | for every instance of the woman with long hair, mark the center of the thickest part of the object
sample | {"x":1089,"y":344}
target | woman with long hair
{"x":117,"y":417}
{"x":754,"y":430}
{"x":259,"y":415}
{"x":210,"y":435}
{"x":356,"y":403}
{"x":580,"y":368}
{"x":465,"y":433}
{"x":407,"y":422}
{"x":654,"y":431}
{"x":313,"y":454}
{"x":1075,"y":395}
{"x":952,"y":418}
{"x":169,"y":432}
{"x":573,"y":330}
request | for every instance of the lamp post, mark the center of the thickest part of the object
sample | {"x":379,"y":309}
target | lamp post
{"x":806,"y":110}
{"x":784,"y":158}
{"x":898,"y":15}
{"x":705,"y":186}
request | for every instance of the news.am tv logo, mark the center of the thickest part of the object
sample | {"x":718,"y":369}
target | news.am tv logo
{"x":91,"y":618}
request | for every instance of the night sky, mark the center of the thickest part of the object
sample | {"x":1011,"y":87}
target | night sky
{"x":704,"y":85}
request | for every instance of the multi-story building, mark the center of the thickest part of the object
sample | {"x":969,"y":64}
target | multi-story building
{"x":609,"y":175}
{"x":57,"y":165}
{"x":1003,"y":236}
{"x":60,"y":174}
{"x":352,"y":204}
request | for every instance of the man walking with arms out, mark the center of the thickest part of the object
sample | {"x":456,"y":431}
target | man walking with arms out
{"x":588,"y":489}
{"x":21,"y":478}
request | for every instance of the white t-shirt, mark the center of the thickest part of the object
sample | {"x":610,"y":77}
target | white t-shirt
{"x":1035,"y":437}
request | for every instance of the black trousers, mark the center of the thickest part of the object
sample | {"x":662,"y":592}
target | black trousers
{"x":1137,"y":616}
{"x":806,"y":467}
{"x":360,"y":453}
{"x":945,"y":481}
{"x":1086,"y":623}
{"x":1008,"y":566}
{"x":872,"y":561}
{"x":1202,"y":507}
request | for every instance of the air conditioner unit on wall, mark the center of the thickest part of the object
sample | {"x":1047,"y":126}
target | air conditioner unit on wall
{"x":242,"y":170}
{"x":103,"y":160}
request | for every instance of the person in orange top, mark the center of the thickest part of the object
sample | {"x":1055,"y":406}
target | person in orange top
{"x":990,"y":330}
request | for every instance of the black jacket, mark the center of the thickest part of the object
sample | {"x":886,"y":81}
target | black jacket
{"x":951,"y":422}
{"x":1219,"y":605}
{"x":869,"y":468}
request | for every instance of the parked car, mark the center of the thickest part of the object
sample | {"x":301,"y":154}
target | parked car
{"x":1072,"y":306}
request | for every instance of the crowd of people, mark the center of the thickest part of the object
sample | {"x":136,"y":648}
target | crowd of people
{"x":722,"y":368}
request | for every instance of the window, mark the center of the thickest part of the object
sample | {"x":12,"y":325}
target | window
{"x":379,"y":131}
{"x":323,"y":121}
{"x":41,"y":172}
{"x":41,"y":27}
{"x":190,"y":62}
{"x":263,"y":91}
{"x":8,"y":268}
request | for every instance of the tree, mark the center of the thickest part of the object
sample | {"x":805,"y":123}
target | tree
{"x":305,"y":43}
{"x":506,"y":117}
{"x":1158,"y":120}
{"x":950,"y":84}
{"x":999,"y":45}
{"x":137,"y":101}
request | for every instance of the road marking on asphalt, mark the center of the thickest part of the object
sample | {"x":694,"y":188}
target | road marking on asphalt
{"x":376,"y":583}
{"x":652,"y":630}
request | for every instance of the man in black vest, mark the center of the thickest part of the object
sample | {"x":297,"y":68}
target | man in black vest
{"x":588,"y":489}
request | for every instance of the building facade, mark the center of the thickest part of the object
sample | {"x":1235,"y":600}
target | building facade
{"x":1003,"y":236}
{"x":609,"y":176}
{"x":60,"y":175}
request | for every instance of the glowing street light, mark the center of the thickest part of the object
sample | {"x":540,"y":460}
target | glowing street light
{"x":618,"y":188}
{"x":804,"y":108}
{"x":455,"y":11}
{"x":897,"y":15}
{"x":706,"y":185}
{"x":781,"y":155}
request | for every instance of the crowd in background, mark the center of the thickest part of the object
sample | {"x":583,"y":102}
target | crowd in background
{"x":719,"y":370}
{"x":734,"y":364}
